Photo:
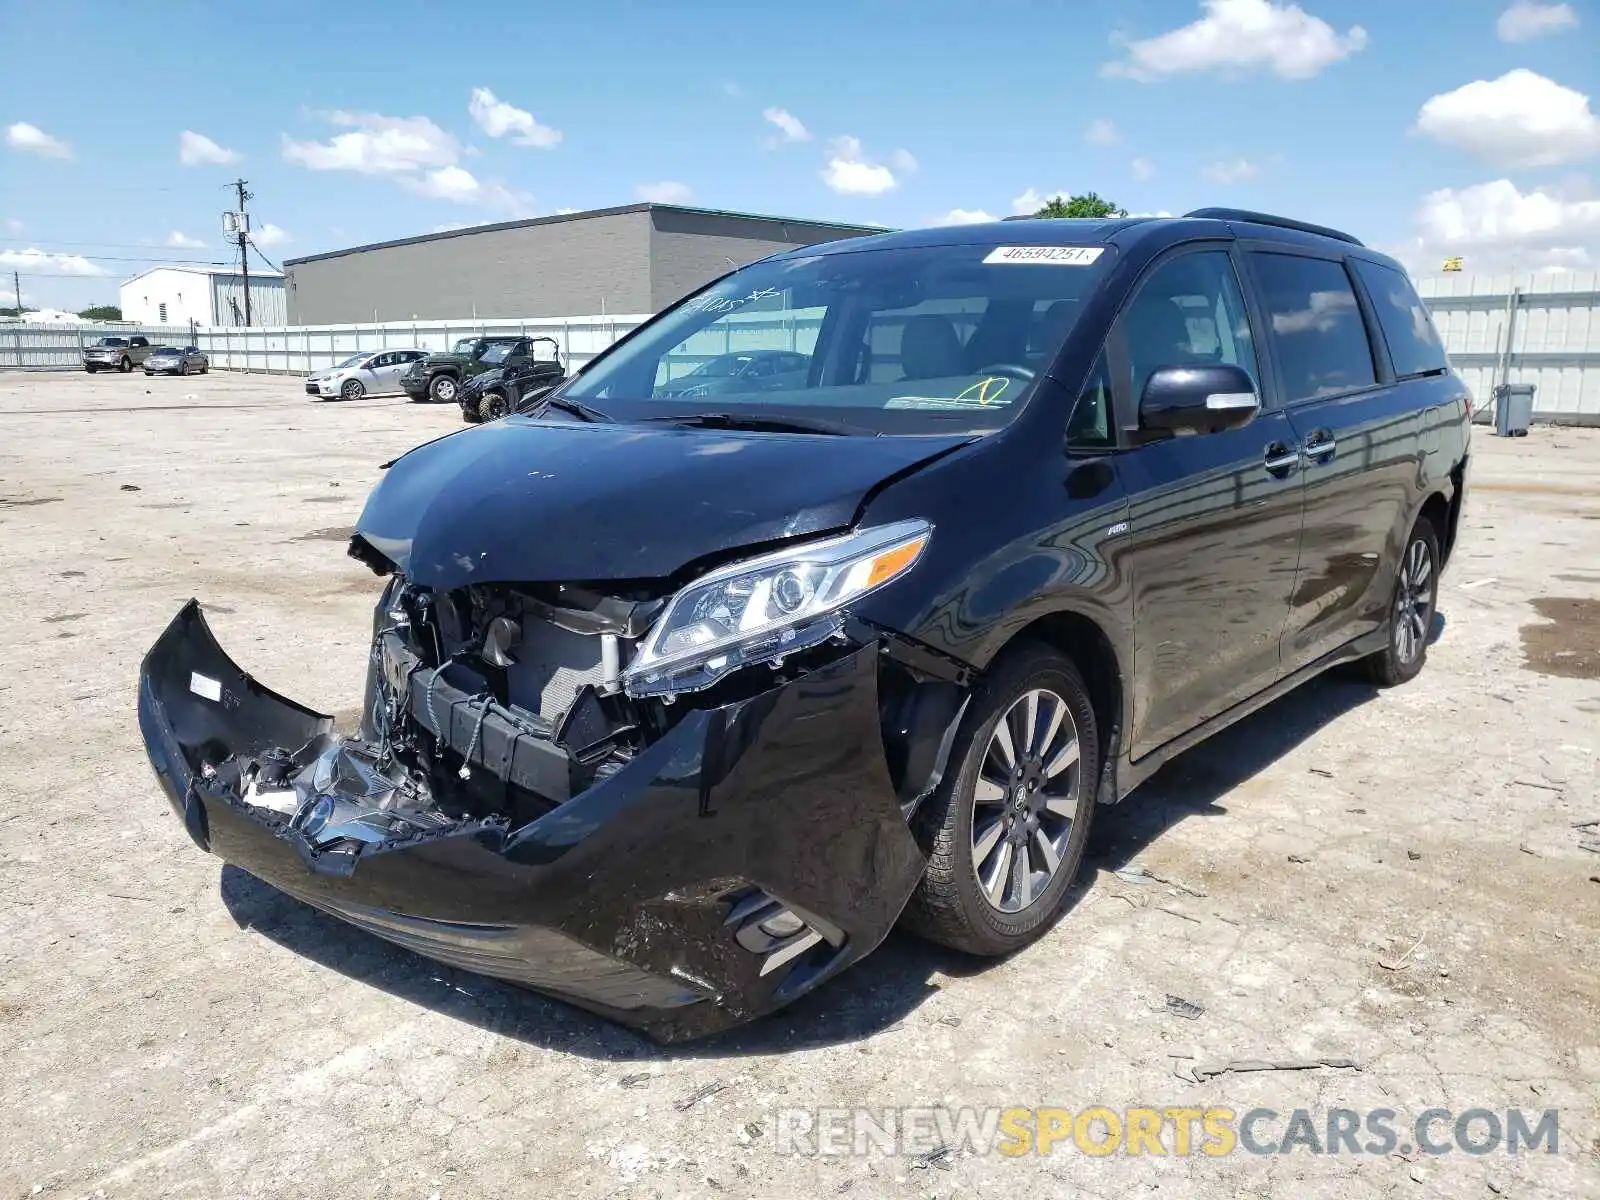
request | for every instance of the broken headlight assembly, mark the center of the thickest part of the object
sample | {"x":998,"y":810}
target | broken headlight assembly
{"x":764,"y":609}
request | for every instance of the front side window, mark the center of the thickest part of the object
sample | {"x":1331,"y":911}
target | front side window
{"x":1414,"y":345}
{"x":1189,"y":311}
{"x":915,"y":339}
{"x":1316,"y":324}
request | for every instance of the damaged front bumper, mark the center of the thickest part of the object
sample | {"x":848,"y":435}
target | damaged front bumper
{"x":752,"y":850}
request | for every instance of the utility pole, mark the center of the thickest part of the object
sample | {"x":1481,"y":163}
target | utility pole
{"x":244,"y":253}
{"x":16,"y":285}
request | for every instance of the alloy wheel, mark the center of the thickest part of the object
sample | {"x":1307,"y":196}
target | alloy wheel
{"x":1024,"y":801}
{"x":1413,"y":603}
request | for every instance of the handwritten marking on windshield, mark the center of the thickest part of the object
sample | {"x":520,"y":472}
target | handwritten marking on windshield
{"x":726,"y":304}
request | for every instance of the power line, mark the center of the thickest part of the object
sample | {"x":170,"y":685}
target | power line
{"x":110,"y":245}
{"x":264,"y":258}
{"x":19,"y":256}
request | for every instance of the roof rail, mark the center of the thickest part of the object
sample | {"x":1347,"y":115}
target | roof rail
{"x":1259,"y":218}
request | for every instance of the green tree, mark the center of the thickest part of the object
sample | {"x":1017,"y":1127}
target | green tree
{"x":1090,"y":204}
{"x":101,"y":312}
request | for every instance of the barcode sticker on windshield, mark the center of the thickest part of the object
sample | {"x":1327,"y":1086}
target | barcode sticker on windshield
{"x":1056,"y":256}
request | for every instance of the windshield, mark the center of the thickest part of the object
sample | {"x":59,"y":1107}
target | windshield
{"x":926,"y":339}
{"x":112,"y":342}
{"x":495,"y":352}
{"x":465,"y":345}
{"x":352,"y":361}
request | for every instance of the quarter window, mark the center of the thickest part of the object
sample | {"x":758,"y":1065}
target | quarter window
{"x":1414,"y":345}
{"x":1189,"y":312}
{"x":1089,"y":426}
{"x":1317,"y":325}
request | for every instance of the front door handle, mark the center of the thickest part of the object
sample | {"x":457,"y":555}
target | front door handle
{"x":1280,"y":461}
{"x":1320,"y":446}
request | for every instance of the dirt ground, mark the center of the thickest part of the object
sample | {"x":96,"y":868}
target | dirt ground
{"x":170,"y":1027}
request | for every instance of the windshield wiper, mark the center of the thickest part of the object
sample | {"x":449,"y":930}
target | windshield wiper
{"x":752,"y":421}
{"x":576,"y":407}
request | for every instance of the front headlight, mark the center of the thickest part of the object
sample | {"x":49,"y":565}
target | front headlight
{"x":765,"y":608}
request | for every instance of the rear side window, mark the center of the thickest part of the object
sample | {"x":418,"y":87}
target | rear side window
{"x":1316,"y":323}
{"x":1414,"y":345}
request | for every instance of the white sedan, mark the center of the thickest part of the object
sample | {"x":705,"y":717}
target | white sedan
{"x":370,"y":373}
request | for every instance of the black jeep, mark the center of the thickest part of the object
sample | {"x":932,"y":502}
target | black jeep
{"x":439,"y":376}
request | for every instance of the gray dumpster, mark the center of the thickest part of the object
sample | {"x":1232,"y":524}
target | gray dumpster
{"x":1513,"y":409}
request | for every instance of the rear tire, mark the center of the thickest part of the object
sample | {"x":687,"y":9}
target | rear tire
{"x":352,"y":389}
{"x":1411,"y":608}
{"x":443,"y":389}
{"x":995,"y":891}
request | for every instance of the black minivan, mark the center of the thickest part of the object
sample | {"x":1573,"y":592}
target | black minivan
{"x":678,"y":701}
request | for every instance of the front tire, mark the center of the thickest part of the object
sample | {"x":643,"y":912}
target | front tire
{"x":492,"y":407}
{"x":125,"y":365}
{"x":91,"y":370}
{"x":443,"y":389}
{"x":352,"y":389}
{"x":1411,"y":608}
{"x":1005,"y":830}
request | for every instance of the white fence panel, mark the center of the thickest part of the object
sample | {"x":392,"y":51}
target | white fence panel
{"x":1553,"y":323}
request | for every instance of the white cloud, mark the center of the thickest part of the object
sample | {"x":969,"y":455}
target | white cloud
{"x":1521,"y":119}
{"x":376,"y":145}
{"x":13,"y":225}
{"x":1528,"y":19}
{"x":851,"y":174}
{"x":33,"y":140}
{"x":964,"y":216}
{"x":195,"y":149}
{"x":1142,"y":169}
{"x":788,"y":125}
{"x":1102,"y":133}
{"x":48,"y":264}
{"x":499,"y":119}
{"x":1235,"y":170}
{"x":1237,"y":37}
{"x":182,"y":241}
{"x":903,"y":160}
{"x":1031,"y":201}
{"x":668,"y":191}
{"x":269,"y":235}
{"x":1495,"y":226}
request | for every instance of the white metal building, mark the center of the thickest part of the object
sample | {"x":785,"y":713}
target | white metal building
{"x":179,"y":294}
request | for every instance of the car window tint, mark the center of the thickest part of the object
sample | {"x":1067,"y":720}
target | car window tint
{"x":1188,"y":312}
{"x":1414,"y":345}
{"x":1316,"y":322}
{"x":1090,"y":425}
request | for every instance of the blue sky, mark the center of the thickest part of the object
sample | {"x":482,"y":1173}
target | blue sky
{"x":1422,"y":132}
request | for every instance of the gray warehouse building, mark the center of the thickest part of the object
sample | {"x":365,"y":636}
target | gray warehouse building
{"x":634,"y":259}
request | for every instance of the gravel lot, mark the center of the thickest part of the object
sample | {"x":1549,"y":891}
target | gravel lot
{"x":170,"y":1026}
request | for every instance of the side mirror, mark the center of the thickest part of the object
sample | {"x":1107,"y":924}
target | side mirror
{"x":1199,"y":399}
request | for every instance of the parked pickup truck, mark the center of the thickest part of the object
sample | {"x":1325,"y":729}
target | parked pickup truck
{"x":116,"y":354}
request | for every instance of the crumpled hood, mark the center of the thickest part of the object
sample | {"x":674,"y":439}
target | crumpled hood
{"x":522,"y":500}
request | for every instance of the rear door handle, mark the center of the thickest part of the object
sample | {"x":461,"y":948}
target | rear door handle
{"x":1320,"y":446}
{"x":1280,"y":461}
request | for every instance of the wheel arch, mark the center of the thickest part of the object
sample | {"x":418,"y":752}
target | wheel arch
{"x":1085,"y":640}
